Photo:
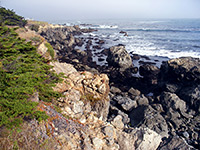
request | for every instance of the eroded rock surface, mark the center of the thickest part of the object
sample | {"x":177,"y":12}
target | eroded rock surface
{"x":119,"y":57}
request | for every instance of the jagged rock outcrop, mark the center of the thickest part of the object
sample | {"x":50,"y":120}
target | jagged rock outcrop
{"x":169,"y":100}
{"x":182,"y":69}
{"x":60,"y":37}
{"x":83,"y":89}
{"x":179,"y":79}
{"x":182,"y":76}
{"x":100,"y":134}
{"x":146,"y":116}
{"x":119,"y":57}
{"x":176,"y":143}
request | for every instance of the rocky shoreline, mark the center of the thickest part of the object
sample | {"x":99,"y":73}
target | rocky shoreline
{"x":159,"y":109}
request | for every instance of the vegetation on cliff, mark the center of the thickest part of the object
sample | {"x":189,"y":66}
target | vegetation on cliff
{"x":8,"y":17}
{"x":24,"y":73}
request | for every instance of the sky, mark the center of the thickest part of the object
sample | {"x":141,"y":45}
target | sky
{"x":49,"y":10}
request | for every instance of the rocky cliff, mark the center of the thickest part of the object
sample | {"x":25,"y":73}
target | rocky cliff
{"x":165,"y":100}
{"x":105,"y":107}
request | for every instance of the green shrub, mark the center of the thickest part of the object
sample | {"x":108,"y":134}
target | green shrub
{"x":23,"y":72}
{"x":50,"y":50}
{"x":8,"y":17}
{"x":34,"y":27}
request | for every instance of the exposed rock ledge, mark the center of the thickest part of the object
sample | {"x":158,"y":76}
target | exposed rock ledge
{"x":78,"y":87}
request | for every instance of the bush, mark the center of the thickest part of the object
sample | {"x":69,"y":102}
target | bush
{"x":23,"y":72}
{"x":34,"y":27}
{"x":50,"y":50}
{"x":8,"y":17}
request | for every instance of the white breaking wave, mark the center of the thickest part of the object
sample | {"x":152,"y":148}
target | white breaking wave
{"x":152,"y":37}
{"x":107,"y":27}
{"x":153,"y":51}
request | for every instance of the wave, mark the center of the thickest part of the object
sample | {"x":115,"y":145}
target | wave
{"x":154,"y":51}
{"x":107,"y":27}
{"x":151,"y":22}
{"x":163,"y":30}
{"x":98,"y":26}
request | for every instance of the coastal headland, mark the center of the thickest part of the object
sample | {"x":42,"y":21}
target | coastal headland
{"x":117,"y":105}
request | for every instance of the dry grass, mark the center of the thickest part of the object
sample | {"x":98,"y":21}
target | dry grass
{"x":41,"y":23}
{"x":33,"y":22}
{"x":30,"y":35}
{"x":26,"y":139}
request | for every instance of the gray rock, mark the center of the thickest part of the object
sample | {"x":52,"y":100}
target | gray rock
{"x":191,"y":94}
{"x":141,"y":100}
{"x":175,"y":118}
{"x":109,"y":133}
{"x":126,"y":103}
{"x":186,"y":135}
{"x":146,"y":116}
{"x":146,"y":70}
{"x":102,"y":108}
{"x":115,"y":111}
{"x":119,"y":57}
{"x":175,"y":143}
{"x":150,"y":73}
{"x":117,"y":122}
{"x":134,"y":92}
{"x":146,"y":139}
{"x":185,"y":68}
{"x":115,"y":90}
{"x":170,"y":100}
{"x":158,"y":107}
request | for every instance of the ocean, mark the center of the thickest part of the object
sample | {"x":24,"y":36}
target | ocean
{"x":155,"y":38}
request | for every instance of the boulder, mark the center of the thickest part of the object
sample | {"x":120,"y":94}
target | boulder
{"x":44,"y":52}
{"x":182,"y":69}
{"x":115,"y":90}
{"x":119,"y":57}
{"x":175,"y":143}
{"x":117,"y":122}
{"x":134,"y":92}
{"x":126,"y":103}
{"x":146,"y":139}
{"x":63,"y":68}
{"x":98,"y":143}
{"x":123,"y":32}
{"x":146,"y":116}
{"x":114,"y":111}
{"x":191,"y":95}
{"x":150,"y":73}
{"x":170,"y":100}
{"x":173,"y":88}
{"x":60,"y":36}
{"x":141,"y":100}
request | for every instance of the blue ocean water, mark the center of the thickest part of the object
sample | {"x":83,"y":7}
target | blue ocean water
{"x":170,"y":38}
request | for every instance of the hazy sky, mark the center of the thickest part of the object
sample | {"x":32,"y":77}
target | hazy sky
{"x":103,"y":9}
